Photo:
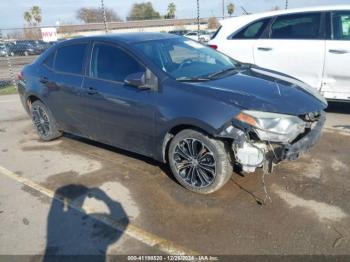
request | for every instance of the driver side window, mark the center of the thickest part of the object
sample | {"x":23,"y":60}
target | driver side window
{"x":112,"y":63}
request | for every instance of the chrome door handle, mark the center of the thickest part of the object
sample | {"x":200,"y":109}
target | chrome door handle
{"x":338,"y":51}
{"x":92,"y":91}
{"x":44,"y":80}
{"x":265,"y":48}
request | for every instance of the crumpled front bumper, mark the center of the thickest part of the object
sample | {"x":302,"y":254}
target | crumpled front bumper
{"x":292,"y":151}
{"x":253,"y":154}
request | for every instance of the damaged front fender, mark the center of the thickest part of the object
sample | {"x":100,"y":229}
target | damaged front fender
{"x":252,"y":153}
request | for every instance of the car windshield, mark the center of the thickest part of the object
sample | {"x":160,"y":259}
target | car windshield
{"x":184,"y":59}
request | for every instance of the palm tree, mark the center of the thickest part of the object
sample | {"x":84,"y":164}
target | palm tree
{"x":171,"y":10}
{"x":230,"y":9}
{"x":28,"y":17}
{"x":33,"y":15}
{"x":36,"y":13}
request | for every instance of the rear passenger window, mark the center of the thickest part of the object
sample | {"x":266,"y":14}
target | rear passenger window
{"x":296,"y":26}
{"x":252,"y":31}
{"x":70,"y":59}
{"x":112,"y":63}
{"x":49,"y":60}
{"x":341,"y":25}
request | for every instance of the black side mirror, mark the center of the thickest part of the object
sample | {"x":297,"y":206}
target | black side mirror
{"x":137,"y":80}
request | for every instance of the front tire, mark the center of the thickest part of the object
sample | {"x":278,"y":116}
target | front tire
{"x":198,"y":162}
{"x":44,"y":122}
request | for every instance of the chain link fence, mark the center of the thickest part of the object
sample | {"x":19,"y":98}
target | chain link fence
{"x":20,"y":46}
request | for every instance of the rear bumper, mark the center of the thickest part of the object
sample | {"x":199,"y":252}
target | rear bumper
{"x":292,"y":151}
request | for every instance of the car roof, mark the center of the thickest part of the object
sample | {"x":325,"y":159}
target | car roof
{"x":252,"y":17}
{"x":127,"y":37}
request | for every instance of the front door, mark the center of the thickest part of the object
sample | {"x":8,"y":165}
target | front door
{"x":117,"y":113}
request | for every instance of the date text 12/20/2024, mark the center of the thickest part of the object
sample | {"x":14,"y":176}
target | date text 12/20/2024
{"x":173,"y":258}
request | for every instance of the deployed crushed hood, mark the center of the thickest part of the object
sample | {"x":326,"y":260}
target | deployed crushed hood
{"x":264,"y":90}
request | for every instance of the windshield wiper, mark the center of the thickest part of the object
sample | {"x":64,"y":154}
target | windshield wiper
{"x":192,"y":79}
{"x":210,"y":76}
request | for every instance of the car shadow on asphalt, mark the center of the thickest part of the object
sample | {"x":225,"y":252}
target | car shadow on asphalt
{"x":162,"y":166}
{"x":76,"y":236}
{"x":238,"y":178}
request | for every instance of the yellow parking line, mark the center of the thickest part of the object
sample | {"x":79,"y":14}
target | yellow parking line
{"x":133,"y":231}
{"x":8,"y":101}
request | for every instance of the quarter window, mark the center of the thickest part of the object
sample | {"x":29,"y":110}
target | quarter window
{"x":112,"y":63}
{"x":252,"y":31}
{"x":49,"y":60}
{"x":70,"y":59}
{"x":341,"y":25}
{"x":296,"y":26}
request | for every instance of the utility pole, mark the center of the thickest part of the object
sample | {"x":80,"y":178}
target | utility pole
{"x":198,"y":25}
{"x":286,"y":4}
{"x":223,"y":9}
{"x":104,"y":16}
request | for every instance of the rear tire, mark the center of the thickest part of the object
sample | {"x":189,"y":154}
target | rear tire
{"x":198,"y":162}
{"x":44,"y":122}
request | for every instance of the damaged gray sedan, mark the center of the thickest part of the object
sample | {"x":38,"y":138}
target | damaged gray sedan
{"x":174,"y":100}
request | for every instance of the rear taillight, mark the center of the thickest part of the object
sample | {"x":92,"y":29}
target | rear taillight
{"x":20,"y":76}
{"x":213,"y":46}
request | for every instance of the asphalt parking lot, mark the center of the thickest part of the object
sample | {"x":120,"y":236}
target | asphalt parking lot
{"x":74,"y":196}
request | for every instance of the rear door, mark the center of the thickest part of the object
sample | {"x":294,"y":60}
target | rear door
{"x":295,"y":46}
{"x":336,"y":73}
{"x":240,"y":44}
{"x":63,"y":81}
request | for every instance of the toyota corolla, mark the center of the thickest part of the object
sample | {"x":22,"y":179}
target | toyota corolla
{"x":174,"y":100}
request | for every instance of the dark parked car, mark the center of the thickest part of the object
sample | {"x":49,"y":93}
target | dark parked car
{"x":3,"y":50}
{"x":40,"y":45}
{"x":174,"y":100}
{"x":179,"y":32}
{"x":23,"y":49}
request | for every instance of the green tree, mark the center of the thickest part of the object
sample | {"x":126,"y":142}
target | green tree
{"x":33,"y":15}
{"x":171,"y":11}
{"x":143,"y":11}
{"x":230,"y":9}
{"x":95,"y":15}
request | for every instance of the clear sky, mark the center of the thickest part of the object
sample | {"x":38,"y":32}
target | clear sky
{"x":11,"y":11}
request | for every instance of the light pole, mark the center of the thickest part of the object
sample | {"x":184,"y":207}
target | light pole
{"x":286,"y":4}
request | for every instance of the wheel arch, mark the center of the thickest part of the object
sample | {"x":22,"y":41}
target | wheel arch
{"x":30,"y":100}
{"x":178,"y":127}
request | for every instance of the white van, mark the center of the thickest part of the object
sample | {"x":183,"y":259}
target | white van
{"x":311,"y":44}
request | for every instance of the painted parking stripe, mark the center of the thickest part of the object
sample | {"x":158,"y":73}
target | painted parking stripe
{"x":132,"y":231}
{"x":8,"y":101}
